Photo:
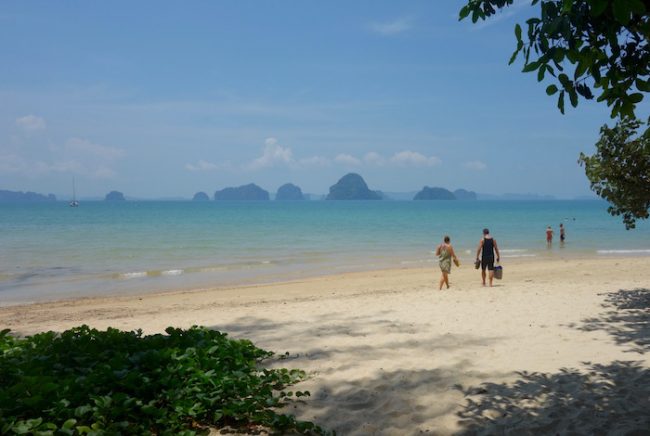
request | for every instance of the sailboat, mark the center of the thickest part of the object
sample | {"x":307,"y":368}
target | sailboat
{"x":74,"y":202}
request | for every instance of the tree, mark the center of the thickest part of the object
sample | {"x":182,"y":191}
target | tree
{"x":620,"y":170}
{"x":605,"y":40}
{"x":592,"y":47}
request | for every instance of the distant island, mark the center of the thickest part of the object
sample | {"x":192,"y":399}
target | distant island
{"x":462,"y":194}
{"x":289,"y":192}
{"x":428,"y":193}
{"x":114,"y":196}
{"x":9,"y":196}
{"x":437,"y":193}
{"x":352,"y":187}
{"x":201,"y":196}
{"x":245,"y":192}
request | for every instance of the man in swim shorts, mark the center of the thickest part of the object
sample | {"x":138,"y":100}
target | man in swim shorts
{"x":487,"y":249}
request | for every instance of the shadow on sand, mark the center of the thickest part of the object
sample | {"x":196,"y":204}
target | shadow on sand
{"x":627,"y":319}
{"x":387,"y":400}
{"x":603,"y":399}
{"x":609,"y":398}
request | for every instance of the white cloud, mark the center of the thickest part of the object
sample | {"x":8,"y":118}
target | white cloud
{"x":203,"y":165}
{"x":317,"y":161}
{"x":347,"y":159}
{"x":413,"y":158}
{"x":475,"y":165}
{"x":392,"y":27}
{"x":82,"y":146}
{"x":272,"y":155}
{"x":12,"y":163}
{"x":30,"y":123}
{"x":374,"y":159}
{"x":76,"y":156}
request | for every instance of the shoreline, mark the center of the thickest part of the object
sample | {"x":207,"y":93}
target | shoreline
{"x":416,"y":267}
{"x":290,"y":276}
{"x":389,"y":354}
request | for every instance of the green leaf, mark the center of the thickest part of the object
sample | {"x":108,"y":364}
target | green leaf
{"x":464,"y":12}
{"x":69,"y":424}
{"x":560,"y":102}
{"x":530,"y":67}
{"x":566,"y":5}
{"x":598,"y":7}
{"x":573,"y":97}
{"x":518,"y":32}
{"x":513,"y":57}
{"x":551,"y":89}
{"x":637,"y":7}
{"x":642,"y":85}
{"x":636,"y":97}
{"x":581,"y":69}
{"x":564,"y":80}
{"x":622,"y":11}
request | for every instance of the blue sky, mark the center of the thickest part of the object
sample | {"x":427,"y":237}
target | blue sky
{"x":161,"y":99}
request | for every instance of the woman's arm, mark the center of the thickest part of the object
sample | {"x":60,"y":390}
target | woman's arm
{"x":496,"y":249}
{"x":438,"y":251}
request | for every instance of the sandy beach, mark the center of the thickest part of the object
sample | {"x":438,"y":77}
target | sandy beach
{"x":558,"y":346}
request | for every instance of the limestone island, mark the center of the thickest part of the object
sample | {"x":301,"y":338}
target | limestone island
{"x":114,"y":196}
{"x":200,"y":196}
{"x":352,"y":187}
{"x":428,"y":193}
{"x":289,"y":192}
{"x":463,"y":194}
{"x":245,"y":192}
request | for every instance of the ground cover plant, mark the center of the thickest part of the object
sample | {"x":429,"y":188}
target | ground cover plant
{"x":86,"y":381}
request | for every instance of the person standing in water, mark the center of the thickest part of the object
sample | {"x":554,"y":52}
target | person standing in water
{"x":562,"y":234}
{"x":446,"y":253}
{"x":549,"y":235}
{"x":487,"y":249}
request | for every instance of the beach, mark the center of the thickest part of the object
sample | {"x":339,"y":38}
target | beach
{"x":559,"y":345}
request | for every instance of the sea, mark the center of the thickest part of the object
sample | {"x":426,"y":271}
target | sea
{"x":50,"y":251}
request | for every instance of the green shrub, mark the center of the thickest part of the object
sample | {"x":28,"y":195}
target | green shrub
{"x":85,"y":381}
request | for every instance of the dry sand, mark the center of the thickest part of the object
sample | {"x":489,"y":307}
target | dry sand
{"x":558,"y":346}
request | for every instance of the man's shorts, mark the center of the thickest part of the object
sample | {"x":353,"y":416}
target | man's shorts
{"x":487,"y":263}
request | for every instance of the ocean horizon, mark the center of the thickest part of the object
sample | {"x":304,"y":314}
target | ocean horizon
{"x":51,"y":251}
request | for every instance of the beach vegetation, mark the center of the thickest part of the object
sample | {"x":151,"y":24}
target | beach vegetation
{"x":86,"y":381}
{"x":619,"y":171}
{"x":592,"y":49}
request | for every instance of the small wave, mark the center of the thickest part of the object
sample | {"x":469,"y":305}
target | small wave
{"x":172,"y":272}
{"x":644,"y":251}
{"x":266,"y":262}
{"x":513,"y":250}
{"x":132,"y":275}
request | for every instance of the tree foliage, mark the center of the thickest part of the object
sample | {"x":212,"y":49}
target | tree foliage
{"x":604,"y":41}
{"x":620,"y":170}
{"x":594,"y":49}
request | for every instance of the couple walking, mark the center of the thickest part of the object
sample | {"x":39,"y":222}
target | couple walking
{"x":487,"y":248}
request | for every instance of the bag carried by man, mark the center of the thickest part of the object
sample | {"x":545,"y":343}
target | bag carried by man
{"x":498,"y":272}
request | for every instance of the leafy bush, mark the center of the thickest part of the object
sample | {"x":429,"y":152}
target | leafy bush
{"x":85,"y":381}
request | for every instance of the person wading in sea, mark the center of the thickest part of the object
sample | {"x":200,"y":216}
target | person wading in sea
{"x":486,"y":250}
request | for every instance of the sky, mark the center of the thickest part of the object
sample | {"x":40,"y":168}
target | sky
{"x":164,"y":99}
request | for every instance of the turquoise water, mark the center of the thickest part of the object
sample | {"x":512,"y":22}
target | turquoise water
{"x":52,"y":251}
